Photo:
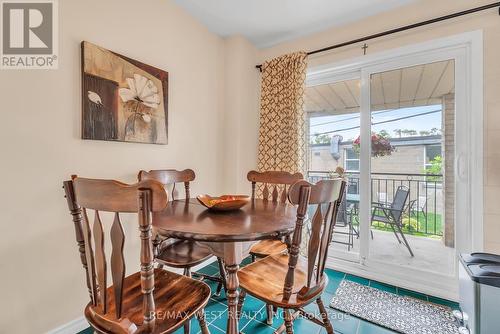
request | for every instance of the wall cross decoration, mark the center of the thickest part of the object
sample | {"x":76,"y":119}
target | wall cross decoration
{"x":364,"y":47}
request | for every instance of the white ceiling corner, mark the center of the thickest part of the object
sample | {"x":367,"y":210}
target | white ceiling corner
{"x":268,"y":22}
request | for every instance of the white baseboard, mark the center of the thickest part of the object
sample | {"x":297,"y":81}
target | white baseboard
{"x":72,"y":327}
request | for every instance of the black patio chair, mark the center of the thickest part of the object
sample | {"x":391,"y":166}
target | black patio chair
{"x":418,"y":205}
{"x":392,"y":214}
{"x":345,"y":217}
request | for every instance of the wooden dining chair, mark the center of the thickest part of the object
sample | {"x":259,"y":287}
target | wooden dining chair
{"x":177,"y":253}
{"x":289,"y":281}
{"x":275,"y":185}
{"x":148,"y":301}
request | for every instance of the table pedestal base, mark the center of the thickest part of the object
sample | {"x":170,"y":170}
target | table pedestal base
{"x":232,"y":253}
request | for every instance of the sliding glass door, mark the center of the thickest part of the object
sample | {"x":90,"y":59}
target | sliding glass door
{"x":334,"y":126}
{"x":392,"y":125}
{"x":412,"y":148}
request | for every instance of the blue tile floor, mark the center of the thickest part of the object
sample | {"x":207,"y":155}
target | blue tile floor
{"x":253,"y":319}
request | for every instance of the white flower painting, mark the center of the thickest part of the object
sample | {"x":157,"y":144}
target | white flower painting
{"x":142,"y":90}
{"x":125,"y":100}
{"x":143,"y":99}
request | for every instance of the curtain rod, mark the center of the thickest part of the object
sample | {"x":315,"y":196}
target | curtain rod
{"x":407,"y":27}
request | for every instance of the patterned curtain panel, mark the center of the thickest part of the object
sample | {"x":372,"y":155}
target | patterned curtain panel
{"x":282,"y":134}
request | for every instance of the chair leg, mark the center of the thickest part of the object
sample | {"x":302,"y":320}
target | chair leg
{"x":222,"y":272}
{"x":203,"y":323}
{"x":187,"y":327}
{"x":405,"y":241}
{"x":288,"y":322}
{"x":270,"y":314}
{"x":324,"y":316}
{"x":371,"y":224}
{"x":241,"y":300}
{"x":219,"y":289}
{"x":187,"y":324}
{"x":350,"y":241}
{"x":395,"y":233}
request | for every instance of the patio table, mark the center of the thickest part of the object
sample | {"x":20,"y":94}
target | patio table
{"x":350,"y":212}
{"x":228,"y":234}
{"x":353,"y":198}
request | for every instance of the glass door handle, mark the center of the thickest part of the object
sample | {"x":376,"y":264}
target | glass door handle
{"x":462,"y":168}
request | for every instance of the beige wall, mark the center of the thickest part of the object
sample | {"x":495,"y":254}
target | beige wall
{"x":406,"y":159}
{"x":489,"y":22}
{"x":241,"y":122}
{"x":42,"y":283}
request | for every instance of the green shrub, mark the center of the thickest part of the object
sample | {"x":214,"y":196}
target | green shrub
{"x":410,"y":223}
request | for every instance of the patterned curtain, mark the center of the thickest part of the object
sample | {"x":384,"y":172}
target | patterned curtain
{"x":282,"y":134}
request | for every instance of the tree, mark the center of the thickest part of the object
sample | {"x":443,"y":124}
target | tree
{"x":398,"y":132}
{"x":424,"y":133}
{"x":435,"y":168}
{"x":435,"y":131}
{"x":408,"y":132}
{"x":321,"y":139}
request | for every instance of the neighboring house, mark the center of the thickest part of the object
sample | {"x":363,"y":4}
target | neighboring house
{"x":411,"y":156}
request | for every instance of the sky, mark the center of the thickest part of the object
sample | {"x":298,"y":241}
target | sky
{"x":340,"y":123}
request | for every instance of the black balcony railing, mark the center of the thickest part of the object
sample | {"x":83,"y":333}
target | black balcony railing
{"x":423,"y":213}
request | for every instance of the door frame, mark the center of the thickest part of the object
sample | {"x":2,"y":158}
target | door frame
{"x":467,"y":51}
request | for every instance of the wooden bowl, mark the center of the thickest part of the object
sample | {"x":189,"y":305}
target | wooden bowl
{"x":224,"y":202}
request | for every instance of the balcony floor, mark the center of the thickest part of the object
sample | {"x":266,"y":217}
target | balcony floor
{"x":430,"y":253}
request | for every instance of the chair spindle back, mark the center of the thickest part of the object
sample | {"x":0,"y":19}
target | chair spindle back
{"x":326,"y":195}
{"x":277,"y":180}
{"x":169,"y":177}
{"x":115,"y":197}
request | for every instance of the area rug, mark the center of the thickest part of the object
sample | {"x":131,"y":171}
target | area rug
{"x":400,"y":313}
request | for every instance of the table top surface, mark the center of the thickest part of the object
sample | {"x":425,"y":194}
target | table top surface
{"x":257,"y":220}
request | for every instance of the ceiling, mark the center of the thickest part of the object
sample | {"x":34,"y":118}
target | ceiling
{"x":408,"y":87}
{"x":269,"y":22}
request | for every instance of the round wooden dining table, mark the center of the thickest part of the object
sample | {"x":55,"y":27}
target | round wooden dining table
{"x":228,"y":234}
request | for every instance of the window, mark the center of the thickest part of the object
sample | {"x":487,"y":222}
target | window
{"x":351,"y":160}
{"x":431,"y":153}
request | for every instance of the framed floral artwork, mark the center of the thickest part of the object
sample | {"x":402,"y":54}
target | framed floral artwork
{"x":122,"y":98}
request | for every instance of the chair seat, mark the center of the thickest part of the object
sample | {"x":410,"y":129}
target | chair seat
{"x":382,"y":219}
{"x":177,"y":298}
{"x":268,"y":247}
{"x":264,"y":280}
{"x":183,"y":254}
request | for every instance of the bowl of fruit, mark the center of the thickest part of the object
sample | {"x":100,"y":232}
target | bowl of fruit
{"x":224,"y":202}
